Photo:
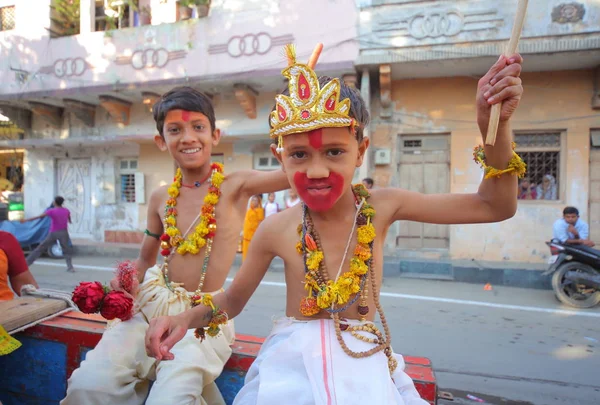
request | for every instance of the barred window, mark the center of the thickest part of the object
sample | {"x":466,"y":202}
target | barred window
{"x":541,"y":152}
{"x":127,"y":172}
{"x":7,"y":18}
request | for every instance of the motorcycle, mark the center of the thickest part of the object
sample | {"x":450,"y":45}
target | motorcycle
{"x":575,"y":274}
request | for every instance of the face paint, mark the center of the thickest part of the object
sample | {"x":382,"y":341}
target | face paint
{"x":185,"y":115}
{"x":319,"y":194}
{"x":315,"y":138}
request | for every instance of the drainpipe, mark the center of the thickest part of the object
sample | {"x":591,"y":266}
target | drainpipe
{"x":365,"y":92}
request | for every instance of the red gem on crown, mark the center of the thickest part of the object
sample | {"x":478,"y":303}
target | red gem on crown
{"x":305,"y":114}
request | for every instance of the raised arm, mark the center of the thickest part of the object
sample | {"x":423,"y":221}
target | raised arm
{"x":260,"y":182}
{"x":496,"y":199}
{"x":165,"y":331}
{"x":150,"y":244}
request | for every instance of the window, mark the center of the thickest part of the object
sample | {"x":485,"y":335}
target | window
{"x":265,"y":161}
{"x":7,"y":18}
{"x":541,"y":152}
{"x":217,"y":158}
{"x":112,"y":15}
{"x":127,"y":171}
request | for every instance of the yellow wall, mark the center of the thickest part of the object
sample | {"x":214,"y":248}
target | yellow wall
{"x":551,"y":101}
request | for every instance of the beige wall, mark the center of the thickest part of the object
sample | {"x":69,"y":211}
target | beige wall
{"x":552,"y":101}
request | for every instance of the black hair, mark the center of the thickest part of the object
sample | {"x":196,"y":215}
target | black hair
{"x":183,"y":98}
{"x":358,"y":109}
{"x":571,"y":210}
{"x":58,"y":200}
{"x":369,"y":181}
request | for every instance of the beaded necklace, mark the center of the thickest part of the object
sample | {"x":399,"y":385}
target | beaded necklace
{"x":324,"y":293}
{"x":173,"y":241}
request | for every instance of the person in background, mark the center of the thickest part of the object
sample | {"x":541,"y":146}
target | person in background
{"x":60,"y":217}
{"x":13,"y":267}
{"x":271,"y":207}
{"x":547,"y":190}
{"x":572,"y":230}
{"x":527,"y":190}
{"x":368,"y":183}
{"x":292,"y":199}
{"x":254,"y":217}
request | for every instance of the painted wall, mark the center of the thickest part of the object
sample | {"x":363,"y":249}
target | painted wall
{"x":206,"y":48}
{"x":552,"y":101}
{"x":105,"y":211}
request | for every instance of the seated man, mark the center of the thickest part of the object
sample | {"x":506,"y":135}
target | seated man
{"x":13,"y":267}
{"x":572,"y":230}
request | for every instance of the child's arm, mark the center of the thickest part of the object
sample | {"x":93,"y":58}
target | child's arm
{"x":165,"y":331}
{"x":150,"y":244}
{"x":254,"y":182}
{"x":496,"y":199}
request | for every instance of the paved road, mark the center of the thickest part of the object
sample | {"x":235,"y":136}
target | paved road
{"x":505,"y":346}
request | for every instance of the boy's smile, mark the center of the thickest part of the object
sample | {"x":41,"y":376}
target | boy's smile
{"x":189,"y":138}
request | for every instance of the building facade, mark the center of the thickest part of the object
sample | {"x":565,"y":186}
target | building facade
{"x":84,"y":100}
{"x":423,"y":60}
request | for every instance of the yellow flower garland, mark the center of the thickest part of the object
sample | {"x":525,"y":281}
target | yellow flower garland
{"x":206,"y":227}
{"x":516,"y":165}
{"x":337,"y":292}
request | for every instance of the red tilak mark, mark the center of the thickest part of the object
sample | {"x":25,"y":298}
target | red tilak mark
{"x":185,"y":115}
{"x":315,"y":138}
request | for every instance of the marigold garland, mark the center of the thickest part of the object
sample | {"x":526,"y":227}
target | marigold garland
{"x":323,"y":296}
{"x":219,"y":317}
{"x":206,"y":227}
{"x":516,"y":165}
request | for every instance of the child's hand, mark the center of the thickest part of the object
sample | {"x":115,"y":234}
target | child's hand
{"x":500,"y":84}
{"x":162,"y":334}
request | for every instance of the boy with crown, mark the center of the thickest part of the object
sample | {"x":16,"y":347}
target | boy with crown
{"x":195,"y":223}
{"x":328,"y":349}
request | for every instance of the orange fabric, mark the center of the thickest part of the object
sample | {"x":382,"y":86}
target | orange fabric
{"x":254,"y":217}
{"x":5,"y":291}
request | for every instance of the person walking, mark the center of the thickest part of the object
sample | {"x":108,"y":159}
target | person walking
{"x":60,"y":217}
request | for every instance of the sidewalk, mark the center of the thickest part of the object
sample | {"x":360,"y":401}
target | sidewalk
{"x":525,"y":275}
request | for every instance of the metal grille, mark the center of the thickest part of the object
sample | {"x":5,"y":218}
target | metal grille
{"x":7,"y":18}
{"x":541,"y":152}
{"x":538,"y":140}
{"x":128,"y":188}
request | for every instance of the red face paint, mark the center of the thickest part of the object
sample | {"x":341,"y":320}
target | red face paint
{"x":315,"y":138}
{"x":319,"y":194}
{"x":185,"y":115}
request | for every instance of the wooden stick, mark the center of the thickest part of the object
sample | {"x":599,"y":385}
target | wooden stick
{"x":312,"y":62}
{"x":490,"y":139}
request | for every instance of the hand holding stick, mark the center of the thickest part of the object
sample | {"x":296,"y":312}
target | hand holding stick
{"x":490,"y":139}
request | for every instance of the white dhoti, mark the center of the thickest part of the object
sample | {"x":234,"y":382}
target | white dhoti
{"x":118,"y":371}
{"x":302,"y":363}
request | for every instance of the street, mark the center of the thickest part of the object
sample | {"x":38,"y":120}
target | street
{"x":504,"y":346}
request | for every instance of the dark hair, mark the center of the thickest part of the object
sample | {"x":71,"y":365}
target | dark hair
{"x":358,"y":110}
{"x":58,"y":200}
{"x":369,"y":181}
{"x":571,"y":210}
{"x":183,"y":98}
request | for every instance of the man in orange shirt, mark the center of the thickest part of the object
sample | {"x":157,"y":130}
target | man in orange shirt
{"x":13,"y":267}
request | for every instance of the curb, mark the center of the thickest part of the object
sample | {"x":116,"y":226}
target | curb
{"x":465,"y":272}
{"x":461,"y":272}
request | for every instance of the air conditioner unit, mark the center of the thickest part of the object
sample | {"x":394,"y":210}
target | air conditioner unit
{"x":383,"y":156}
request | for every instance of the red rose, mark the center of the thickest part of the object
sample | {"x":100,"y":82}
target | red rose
{"x":88,"y":296}
{"x":117,"y":305}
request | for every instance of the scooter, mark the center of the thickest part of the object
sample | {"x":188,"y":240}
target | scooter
{"x":575,"y":274}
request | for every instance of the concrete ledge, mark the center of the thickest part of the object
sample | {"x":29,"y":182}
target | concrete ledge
{"x":524,"y":275}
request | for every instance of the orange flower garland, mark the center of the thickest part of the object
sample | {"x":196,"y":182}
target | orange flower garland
{"x":207,"y":226}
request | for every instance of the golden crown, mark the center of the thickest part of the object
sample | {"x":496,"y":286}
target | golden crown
{"x":308,"y":107}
